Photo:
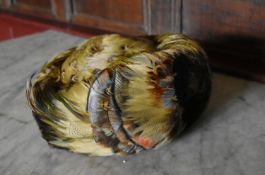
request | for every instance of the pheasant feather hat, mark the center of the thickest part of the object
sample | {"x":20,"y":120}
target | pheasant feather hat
{"x":116,"y":94}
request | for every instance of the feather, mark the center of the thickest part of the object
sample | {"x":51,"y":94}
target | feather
{"x":115,"y":94}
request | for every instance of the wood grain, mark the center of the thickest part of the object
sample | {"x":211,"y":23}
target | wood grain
{"x":214,"y":19}
{"x":118,"y":10}
{"x":232,"y":32}
{"x":114,"y":15}
{"x":162,"y":16}
{"x":53,"y":9}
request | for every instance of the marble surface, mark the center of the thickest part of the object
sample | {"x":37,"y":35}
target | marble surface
{"x":229,"y":138}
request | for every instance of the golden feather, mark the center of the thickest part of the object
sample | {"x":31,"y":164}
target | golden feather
{"x":116,"y":94}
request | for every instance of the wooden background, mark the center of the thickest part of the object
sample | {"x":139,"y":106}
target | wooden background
{"x":231,"y":31}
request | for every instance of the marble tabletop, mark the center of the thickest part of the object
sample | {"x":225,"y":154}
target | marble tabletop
{"x":229,"y":138}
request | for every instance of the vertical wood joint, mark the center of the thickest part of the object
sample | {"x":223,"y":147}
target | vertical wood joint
{"x":147,"y":16}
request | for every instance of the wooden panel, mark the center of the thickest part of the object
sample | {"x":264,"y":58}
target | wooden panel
{"x":113,"y":15}
{"x":132,"y":17}
{"x":49,"y":9}
{"x":213,"y":18}
{"x":33,"y":3}
{"x":119,"y":10}
{"x":35,"y":8}
{"x":62,"y":9}
{"x":232,"y":31}
{"x":162,"y":16}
